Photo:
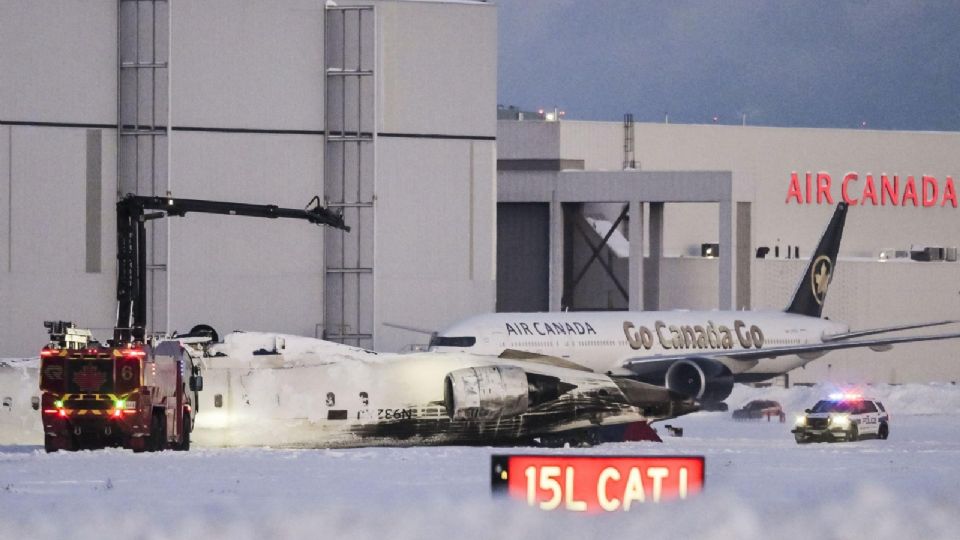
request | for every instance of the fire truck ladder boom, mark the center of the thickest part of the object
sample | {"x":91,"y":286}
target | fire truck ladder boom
{"x":132,"y":238}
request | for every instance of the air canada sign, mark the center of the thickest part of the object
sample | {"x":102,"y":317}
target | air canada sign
{"x":874,"y":190}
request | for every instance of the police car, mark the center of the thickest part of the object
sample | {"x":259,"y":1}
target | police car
{"x":843,"y":417}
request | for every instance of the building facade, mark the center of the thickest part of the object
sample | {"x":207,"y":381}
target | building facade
{"x":382,"y":109}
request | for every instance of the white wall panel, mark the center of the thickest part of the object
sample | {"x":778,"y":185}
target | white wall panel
{"x":58,"y":61}
{"x":423,"y":274}
{"x":48,"y":279}
{"x":247,"y":64}
{"x":238,"y":272}
{"x":438,"y":68}
{"x":5,"y":203}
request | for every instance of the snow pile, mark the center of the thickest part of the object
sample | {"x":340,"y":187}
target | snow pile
{"x":243,"y":347}
{"x":268,"y":494}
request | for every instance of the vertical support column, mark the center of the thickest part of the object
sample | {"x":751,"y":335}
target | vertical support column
{"x":636,"y":266}
{"x":350,"y":172}
{"x":143,"y":150}
{"x":744,"y":248}
{"x":556,"y":253}
{"x":727,"y":256}
{"x":651,"y":277}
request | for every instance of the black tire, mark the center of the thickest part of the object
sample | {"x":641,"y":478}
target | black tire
{"x":801,"y":439}
{"x":48,"y":444}
{"x":883,"y":432}
{"x":853,"y":434}
{"x":158,"y":432}
{"x":184,"y":444}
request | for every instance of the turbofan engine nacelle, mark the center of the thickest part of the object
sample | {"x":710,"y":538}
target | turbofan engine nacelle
{"x":486,"y":393}
{"x":701,"y":379}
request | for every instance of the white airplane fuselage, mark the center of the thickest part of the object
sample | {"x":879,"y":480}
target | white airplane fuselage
{"x":604,"y":341}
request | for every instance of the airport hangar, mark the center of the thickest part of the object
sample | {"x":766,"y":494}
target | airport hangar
{"x":386,"y":110}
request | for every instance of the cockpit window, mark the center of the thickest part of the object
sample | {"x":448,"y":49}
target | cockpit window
{"x":445,"y":341}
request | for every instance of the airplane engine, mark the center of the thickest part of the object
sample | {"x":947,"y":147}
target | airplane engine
{"x":700,"y":378}
{"x":486,"y":393}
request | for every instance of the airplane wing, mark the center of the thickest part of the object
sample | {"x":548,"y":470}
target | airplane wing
{"x":875,"y":331}
{"x":773,"y":352}
{"x":513,"y":354}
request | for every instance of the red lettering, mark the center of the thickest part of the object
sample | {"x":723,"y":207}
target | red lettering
{"x":949,"y":193}
{"x":932,"y":182}
{"x":849,"y":177}
{"x":809,"y":196}
{"x":886,"y":190}
{"x":823,"y":188}
{"x":794,"y":189}
{"x":909,"y":192}
{"x":870,"y":191}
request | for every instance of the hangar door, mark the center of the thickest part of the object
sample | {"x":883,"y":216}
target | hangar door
{"x":523,"y":257}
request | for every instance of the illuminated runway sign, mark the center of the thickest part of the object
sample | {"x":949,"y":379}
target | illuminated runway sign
{"x":596,"y":483}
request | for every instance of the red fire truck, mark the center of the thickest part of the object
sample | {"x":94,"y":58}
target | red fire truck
{"x":132,"y":391}
{"x":136,"y":396}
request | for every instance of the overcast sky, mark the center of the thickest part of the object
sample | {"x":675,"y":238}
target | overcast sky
{"x":893,"y":65}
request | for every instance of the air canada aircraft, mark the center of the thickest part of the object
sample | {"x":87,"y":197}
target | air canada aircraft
{"x":699,"y":354}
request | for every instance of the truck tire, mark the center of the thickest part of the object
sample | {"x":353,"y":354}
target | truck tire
{"x":48,"y":444}
{"x":158,"y":432}
{"x":853,"y":434}
{"x":883,"y":432}
{"x":801,"y":439}
{"x":184,"y":443}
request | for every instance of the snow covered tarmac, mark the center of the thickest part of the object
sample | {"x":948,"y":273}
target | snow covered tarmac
{"x":759,"y":484}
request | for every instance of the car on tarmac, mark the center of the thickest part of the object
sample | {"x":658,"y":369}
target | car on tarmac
{"x":759,"y":408}
{"x":843,"y":417}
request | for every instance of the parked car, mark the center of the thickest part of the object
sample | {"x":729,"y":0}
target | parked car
{"x":843,"y":417}
{"x":759,"y":408}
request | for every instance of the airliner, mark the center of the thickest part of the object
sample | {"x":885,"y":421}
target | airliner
{"x":699,"y":354}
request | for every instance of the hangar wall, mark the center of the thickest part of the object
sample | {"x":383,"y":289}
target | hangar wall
{"x":247,"y":99}
{"x":57,"y":98}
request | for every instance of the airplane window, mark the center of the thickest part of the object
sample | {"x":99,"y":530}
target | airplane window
{"x":445,"y":341}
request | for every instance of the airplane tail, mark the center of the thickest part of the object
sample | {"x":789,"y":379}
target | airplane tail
{"x":812,"y":290}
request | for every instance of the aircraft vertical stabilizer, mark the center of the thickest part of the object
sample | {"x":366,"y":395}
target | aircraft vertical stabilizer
{"x":812,"y":290}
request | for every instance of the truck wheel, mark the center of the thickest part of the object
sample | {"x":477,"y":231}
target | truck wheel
{"x":853,"y":435}
{"x":184,"y":444}
{"x":800,"y":438}
{"x":158,"y":432}
{"x":883,"y":432}
{"x":48,"y":444}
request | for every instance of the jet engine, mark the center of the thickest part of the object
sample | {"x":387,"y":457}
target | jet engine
{"x":486,"y":393}
{"x":700,"y":378}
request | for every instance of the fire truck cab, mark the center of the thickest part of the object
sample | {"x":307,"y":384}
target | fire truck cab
{"x":135,"y":396}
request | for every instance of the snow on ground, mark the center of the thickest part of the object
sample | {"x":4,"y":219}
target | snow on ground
{"x":759,"y":484}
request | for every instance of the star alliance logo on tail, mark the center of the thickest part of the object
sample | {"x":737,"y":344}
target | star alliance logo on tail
{"x":820,"y":277}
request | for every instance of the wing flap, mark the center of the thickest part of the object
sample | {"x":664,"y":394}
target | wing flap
{"x":555,"y":361}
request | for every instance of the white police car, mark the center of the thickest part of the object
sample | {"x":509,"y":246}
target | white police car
{"x":843,"y":417}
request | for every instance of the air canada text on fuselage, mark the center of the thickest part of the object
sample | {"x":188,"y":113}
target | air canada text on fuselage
{"x":697,"y":336}
{"x":550,"y":329}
